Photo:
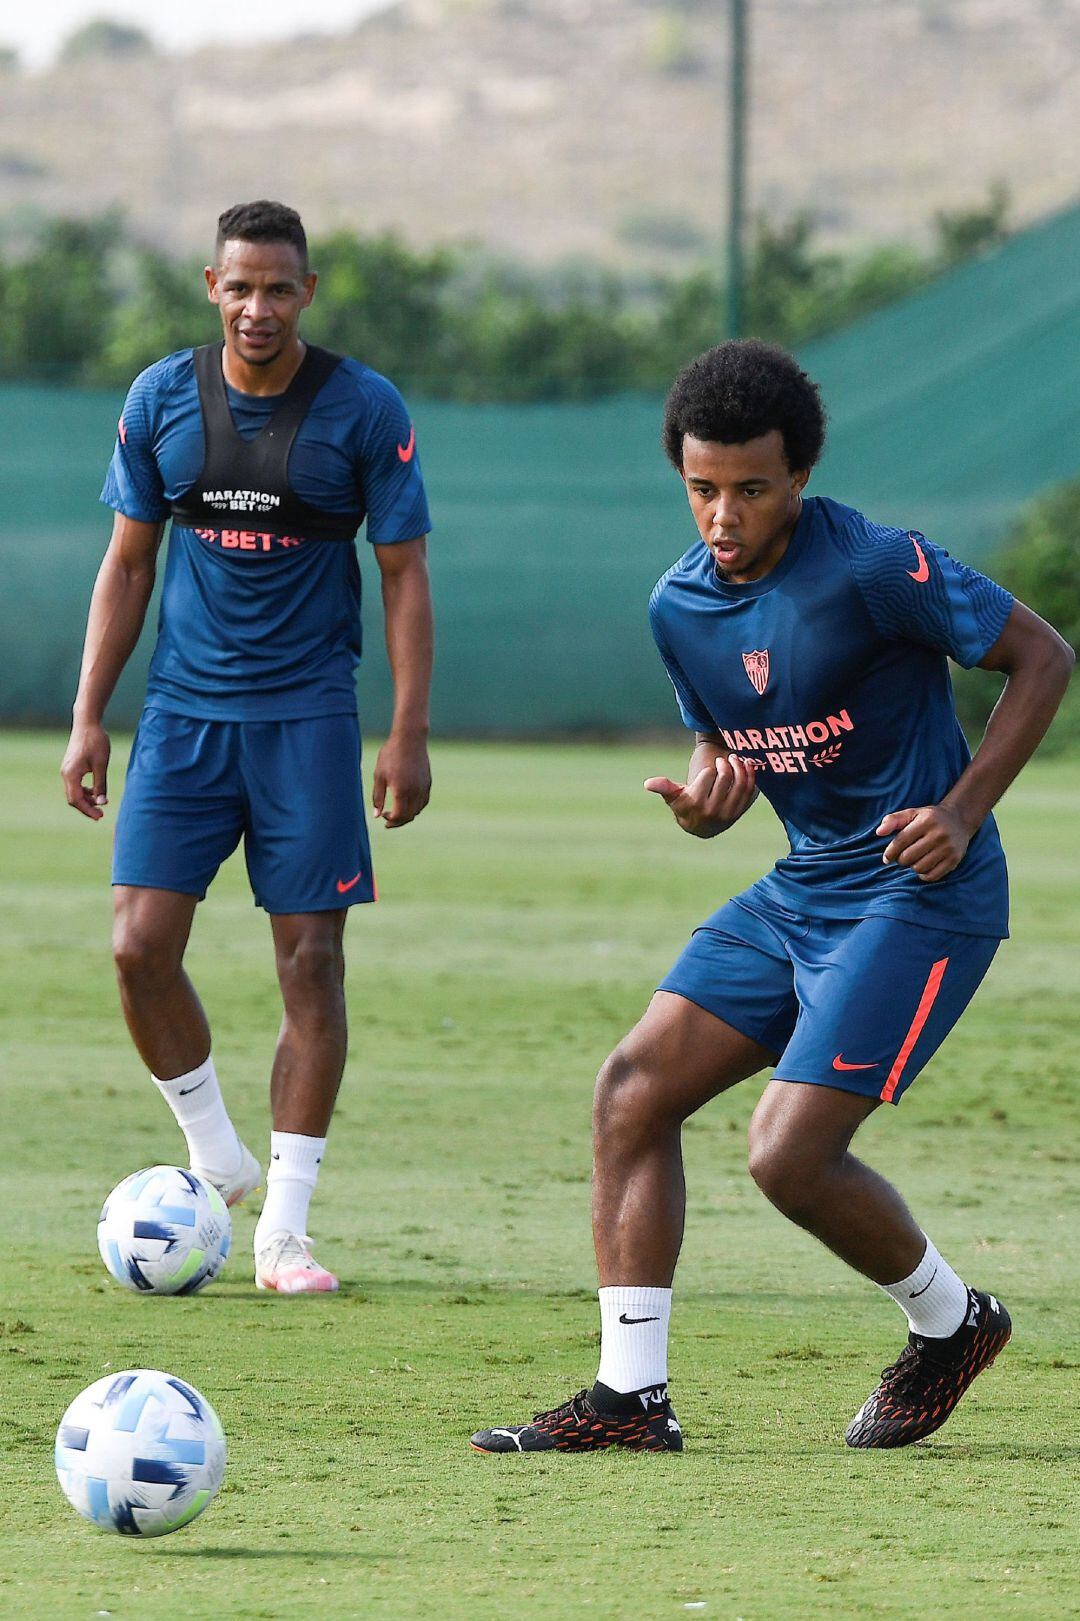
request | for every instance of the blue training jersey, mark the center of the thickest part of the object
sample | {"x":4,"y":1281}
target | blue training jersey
{"x":830,"y":676}
{"x":253,"y":627}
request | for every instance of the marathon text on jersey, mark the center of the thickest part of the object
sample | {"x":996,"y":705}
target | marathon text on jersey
{"x":787,"y":748}
{"x":240,"y":500}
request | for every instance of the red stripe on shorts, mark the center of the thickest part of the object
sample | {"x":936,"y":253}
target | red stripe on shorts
{"x":922,"y":1013}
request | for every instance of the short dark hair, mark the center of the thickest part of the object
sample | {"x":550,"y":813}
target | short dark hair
{"x":741,"y":390}
{"x":262,"y":221}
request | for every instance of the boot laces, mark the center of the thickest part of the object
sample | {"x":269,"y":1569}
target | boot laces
{"x":577,"y":1408}
{"x":915,"y":1368}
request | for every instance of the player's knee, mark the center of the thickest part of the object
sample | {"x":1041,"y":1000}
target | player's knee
{"x":311,"y":966}
{"x":627,"y":1099}
{"x":786,"y":1174}
{"x":143,"y":961}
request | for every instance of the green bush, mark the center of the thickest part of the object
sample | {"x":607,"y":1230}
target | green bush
{"x":1039,"y":563}
{"x":87,"y":304}
{"x":56,"y":303}
{"x":103,"y":37}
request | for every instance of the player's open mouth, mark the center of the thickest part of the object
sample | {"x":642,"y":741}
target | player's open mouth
{"x":724,"y":551}
{"x":257,"y":339}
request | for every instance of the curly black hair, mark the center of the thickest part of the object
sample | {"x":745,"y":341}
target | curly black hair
{"x":740,"y":390}
{"x":262,"y":221}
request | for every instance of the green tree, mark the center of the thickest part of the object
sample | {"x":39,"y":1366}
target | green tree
{"x":689,"y":318}
{"x":86,"y":305}
{"x":796,"y":290}
{"x":1039,"y":563}
{"x":519,"y":346}
{"x":963,"y":233}
{"x":57,"y":302}
{"x":380,"y":301}
{"x":876,"y":279}
{"x":163,"y":308}
{"x":104,"y":37}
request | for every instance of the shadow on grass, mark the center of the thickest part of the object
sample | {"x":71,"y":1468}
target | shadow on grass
{"x":386,"y":1291}
{"x":362,"y":1556}
{"x":999,"y":1452}
{"x":459,"y":1291}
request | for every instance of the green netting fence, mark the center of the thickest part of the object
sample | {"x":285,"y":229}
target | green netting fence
{"x":948,"y":412}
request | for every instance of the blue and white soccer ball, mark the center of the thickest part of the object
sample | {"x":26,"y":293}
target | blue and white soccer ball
{"x":164,"y":1231}
{"x":140,"y":1452}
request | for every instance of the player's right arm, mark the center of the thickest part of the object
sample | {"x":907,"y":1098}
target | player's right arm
{"x":719,"y":788}
{"x":118,"y":606}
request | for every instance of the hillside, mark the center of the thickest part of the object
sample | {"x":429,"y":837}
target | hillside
{"x":547,"y":128}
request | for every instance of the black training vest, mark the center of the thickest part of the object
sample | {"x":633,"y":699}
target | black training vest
{"x":244,"y":483}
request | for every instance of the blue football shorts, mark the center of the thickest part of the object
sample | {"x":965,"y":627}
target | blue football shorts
{"x":860,"y":1004}
{"x":290,"y":789}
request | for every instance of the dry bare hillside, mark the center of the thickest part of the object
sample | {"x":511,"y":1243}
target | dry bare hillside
{"x":554,"y":127}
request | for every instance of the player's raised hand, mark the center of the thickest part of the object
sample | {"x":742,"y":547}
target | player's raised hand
{"x":712,"y":800}
{"x":402,"y":782}
{"x":929,"y":838}
{"x":87,"y":755}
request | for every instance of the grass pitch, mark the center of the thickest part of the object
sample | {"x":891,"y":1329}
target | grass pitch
{"x":524,"y":922}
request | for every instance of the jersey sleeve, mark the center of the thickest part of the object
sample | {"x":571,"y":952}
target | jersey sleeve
{"x":389,"y":473}
{"x":691,"y":707}
{"x":915,"y":592}
{"x":133,"y":484}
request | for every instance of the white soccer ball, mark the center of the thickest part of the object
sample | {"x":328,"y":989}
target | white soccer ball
{"x":140,"y":1452}
{"x":164,"y":1231}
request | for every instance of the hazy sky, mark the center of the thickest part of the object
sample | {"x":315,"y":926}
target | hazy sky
{"x":39,"y":27}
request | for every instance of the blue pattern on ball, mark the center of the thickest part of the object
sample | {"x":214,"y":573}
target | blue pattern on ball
{"x":158,"y":1472}
{"x":118,"y":1389}
{"x":158,"y":1230}
{"x":136,"y":1273}
{"x":192,"y":1397}
{"x":177,"y":1214}
{"x":97,"y":1497}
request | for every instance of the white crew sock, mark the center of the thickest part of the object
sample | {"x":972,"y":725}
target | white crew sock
{"x":633,"y":1338}
{"x":290,"y":1182}
{"x":195,"y":1099}
{"x":934,"y":1299}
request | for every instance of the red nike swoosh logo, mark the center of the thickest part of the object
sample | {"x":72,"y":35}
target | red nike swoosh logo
{"x":923,"y":571}
{"x":406,"y":451}
{"x":838,"y":1063}
{"x":343,"y":888}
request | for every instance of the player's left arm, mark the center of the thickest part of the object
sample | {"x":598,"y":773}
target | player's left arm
{"x":1037,"y":664}
{"x":402,"y":769}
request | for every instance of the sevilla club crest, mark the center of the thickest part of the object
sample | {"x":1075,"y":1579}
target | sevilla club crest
{"x":757,"y":669}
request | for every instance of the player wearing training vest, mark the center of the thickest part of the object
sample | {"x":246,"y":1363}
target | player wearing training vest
{"x":268,"y":454}
{"x":808,"y":650}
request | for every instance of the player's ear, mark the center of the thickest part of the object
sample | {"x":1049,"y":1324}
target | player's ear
{"x":212,"y":284}
{"x":309,"y":288}
{"x":799,"y":480}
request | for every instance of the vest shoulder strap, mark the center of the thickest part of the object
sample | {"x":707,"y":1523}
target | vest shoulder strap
{"x":316,"y":368}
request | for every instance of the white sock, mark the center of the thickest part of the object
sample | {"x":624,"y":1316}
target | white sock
{"x":934,"y":1299}
{"x":195,"y":1099}
{"x":633,"y":1338}
{"x":290,"y":1182}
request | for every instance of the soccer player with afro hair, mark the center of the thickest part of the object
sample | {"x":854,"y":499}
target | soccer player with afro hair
{"x":808,"y":650}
